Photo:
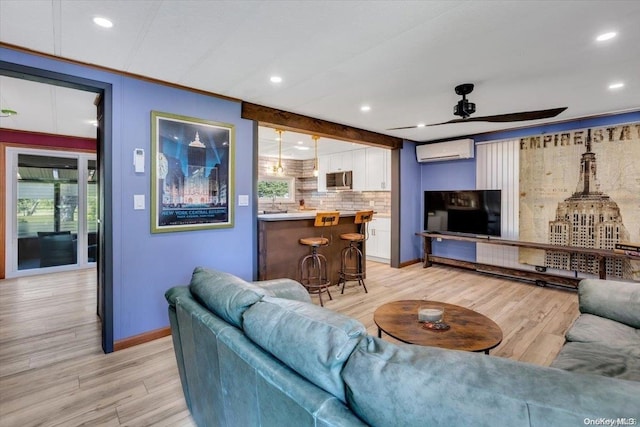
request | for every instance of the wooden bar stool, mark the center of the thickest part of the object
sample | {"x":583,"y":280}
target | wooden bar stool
{"x":313,"y":267}
{"x":352,"y":265}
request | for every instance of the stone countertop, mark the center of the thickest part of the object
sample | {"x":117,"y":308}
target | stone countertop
{"x":311,"y":214}
{"x":297,"y":216}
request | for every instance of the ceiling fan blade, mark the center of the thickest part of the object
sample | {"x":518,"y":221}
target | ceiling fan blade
{"x":432,"y":124}
{"x":515,"y":117}
{"x":500,"y":118}
{"x":404,"y":127}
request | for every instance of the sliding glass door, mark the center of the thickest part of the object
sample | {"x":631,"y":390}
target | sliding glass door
{"x":51,"y":210}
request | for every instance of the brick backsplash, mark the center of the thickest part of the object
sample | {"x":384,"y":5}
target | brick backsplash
{"x":306,"y":188}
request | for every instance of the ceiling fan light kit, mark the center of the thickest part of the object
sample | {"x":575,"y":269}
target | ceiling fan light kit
{"x":464,"y":108}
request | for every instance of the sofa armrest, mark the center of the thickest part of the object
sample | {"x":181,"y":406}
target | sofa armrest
{"x":172,"y":294}
{"x":611,"y":299}
{"x":285,"y":288}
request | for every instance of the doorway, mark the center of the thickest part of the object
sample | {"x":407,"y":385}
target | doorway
{"x":103,"y":166}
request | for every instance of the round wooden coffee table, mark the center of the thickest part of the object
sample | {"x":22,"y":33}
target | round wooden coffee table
{"x":469,"y":330}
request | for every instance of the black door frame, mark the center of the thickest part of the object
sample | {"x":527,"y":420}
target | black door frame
{"x":105,"y":166}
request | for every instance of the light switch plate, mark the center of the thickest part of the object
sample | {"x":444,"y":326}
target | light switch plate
{"x":243,"y":200}
{"x":138,"y":201}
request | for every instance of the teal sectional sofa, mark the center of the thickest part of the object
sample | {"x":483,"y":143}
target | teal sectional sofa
{"x":261,"y":354}
{"x":605,"y":339}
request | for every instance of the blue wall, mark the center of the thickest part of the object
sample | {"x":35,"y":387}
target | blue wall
{"x":449,"y":175}
{"x":461,"y":174}
{"x":145,"y":265}
{"x":411,"y":204}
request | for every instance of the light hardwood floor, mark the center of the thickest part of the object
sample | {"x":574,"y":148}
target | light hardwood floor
{"x":53,"y":371}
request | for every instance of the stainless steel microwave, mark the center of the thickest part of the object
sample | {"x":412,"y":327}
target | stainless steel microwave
{"x":340,"y":180}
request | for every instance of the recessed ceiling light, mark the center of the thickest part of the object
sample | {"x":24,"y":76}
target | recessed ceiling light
{"x":276,"y":79}
{"x":102,"y":22}
{"x":365,"y":108}
{"x":420,"y":125}
{"x":299,"y":147}
{"x":606,"y":36}
{"x":616,"y":85}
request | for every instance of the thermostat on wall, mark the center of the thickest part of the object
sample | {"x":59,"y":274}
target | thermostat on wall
{"x":138,"y":160}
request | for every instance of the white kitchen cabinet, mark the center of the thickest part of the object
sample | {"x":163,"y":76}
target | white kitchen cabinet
{"x":337,"y":162}
{"x":359,"y":170}
{"x":372,"y":169}
{"x":340,"y":162}
{"x":378,"y":169}
{"x":323,"y":168}
{"x":379,"y":242}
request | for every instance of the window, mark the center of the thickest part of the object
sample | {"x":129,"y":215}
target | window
{"x":276,"y":189}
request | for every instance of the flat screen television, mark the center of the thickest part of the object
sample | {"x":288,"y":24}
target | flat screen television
{"x":465,"y":211}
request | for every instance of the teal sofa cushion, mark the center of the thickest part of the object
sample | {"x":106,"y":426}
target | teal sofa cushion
{"x":224,"y":294}
{"x":311,"y":340}
{"x":599,"y":359}
{"x":598,"y":330}
{"x":619,"y":301}
{"x":285,"y":288}
{"x":409,"y":385}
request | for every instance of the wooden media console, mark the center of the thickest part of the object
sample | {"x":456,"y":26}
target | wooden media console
{"x":539,"y":277}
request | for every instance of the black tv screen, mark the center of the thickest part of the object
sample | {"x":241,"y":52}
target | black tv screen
{"x":463,"y":211}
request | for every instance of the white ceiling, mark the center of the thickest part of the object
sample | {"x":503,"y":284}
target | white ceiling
{"x":403,"y":58}
{"x":46,"y":108}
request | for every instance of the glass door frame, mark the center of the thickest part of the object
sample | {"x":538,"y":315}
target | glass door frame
{"x":11,"y":261}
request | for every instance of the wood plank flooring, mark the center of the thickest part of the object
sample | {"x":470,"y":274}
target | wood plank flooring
{"x":53,"y":371}
{"x":533,"y":318}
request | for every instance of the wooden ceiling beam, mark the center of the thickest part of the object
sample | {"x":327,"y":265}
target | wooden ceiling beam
{"x":279,"y":119}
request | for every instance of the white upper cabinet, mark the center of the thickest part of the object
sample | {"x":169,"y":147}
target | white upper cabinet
{"x":359,"y":169}
{"x":378,"y":169}
{"x":323,"y":168}
{"x":338,"y":162}
{"x":341,"y":162}
{"x":372,"y":169}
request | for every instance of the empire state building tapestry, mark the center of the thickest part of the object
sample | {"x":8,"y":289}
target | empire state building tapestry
{"x":581,"y":188}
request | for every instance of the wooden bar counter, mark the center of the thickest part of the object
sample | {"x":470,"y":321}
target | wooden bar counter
{"x":279,"y":252}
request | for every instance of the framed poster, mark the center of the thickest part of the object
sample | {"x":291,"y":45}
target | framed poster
{"x":192,"y":173}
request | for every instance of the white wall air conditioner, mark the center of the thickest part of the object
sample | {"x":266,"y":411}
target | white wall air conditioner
{"x":449,"y":150}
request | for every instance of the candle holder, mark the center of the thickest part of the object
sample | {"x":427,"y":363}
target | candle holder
{"x":430,"y":314}
{"x":432,"y":317}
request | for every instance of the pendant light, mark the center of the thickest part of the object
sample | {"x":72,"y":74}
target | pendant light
{"x":279,"y":169}
{"x":316,"y":172}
